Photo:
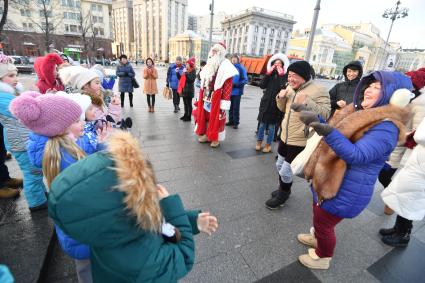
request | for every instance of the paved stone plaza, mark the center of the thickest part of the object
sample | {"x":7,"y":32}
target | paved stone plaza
{"x":233,"y":182}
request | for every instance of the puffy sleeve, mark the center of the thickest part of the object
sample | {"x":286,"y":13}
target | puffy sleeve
{"x":419,"y":136}
{"x":320,"y":103}
{"x":378,"y":141}
{"x":115,"y":111}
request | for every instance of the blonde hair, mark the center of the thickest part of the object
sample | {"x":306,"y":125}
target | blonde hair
{"x":52,"y":156}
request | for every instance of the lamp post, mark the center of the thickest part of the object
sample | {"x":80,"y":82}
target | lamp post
{"x":394,"y":14}
{"x":211,"y":22}
{"x":312,"y":31}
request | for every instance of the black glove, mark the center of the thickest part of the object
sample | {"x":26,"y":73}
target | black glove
{"x":321,"y":129}
{"x":308,"y":117}
{"x":298,"y":107}
{"x":167,"y":85}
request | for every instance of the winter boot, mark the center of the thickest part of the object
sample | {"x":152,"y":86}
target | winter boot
{"x":215,"y":144}
{"x":312,"y":261}
{"x":277,"y":201}
{"x":258,"y":145}
{"x":397,"y":240}
{"x":6,"y":193}
{"x":308,"y":239}
{"x":387,"y":232}
{"x":14,"y":183}
{"x":176,"y":109}
{"x":267,"y":148}
{"x":203,"y":139}
{"x":229,"y":123}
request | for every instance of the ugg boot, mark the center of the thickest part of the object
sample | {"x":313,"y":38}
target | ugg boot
{"x":267,"y":148}
{"x":203,"y":139}
{"x":6,"y":193}
{"x":386,"y":232}
{"x":388,"y":210}
{"x":14,"y":183}
{"x":258,"y":145}
{"x":215,"y":144}
{"x":311,"y":260}
{"x":397,"y":240}
{"x":308,"y":239}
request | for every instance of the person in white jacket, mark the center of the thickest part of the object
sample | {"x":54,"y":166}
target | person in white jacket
{"x":406,"y":194}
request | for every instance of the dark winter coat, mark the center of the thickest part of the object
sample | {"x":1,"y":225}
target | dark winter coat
{"x":125,"y":73}
{"x":189,"y":87}
{"x":268,"y":112}
{"x":172,"y":79}
{"x":345,"y":90}
{"x":240,"y":80}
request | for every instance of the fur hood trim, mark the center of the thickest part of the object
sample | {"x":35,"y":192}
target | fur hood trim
{"x":281,"y":57}
{"x":4,"y":87}
{"x":136,"y":179}
{"x":353,"y":125}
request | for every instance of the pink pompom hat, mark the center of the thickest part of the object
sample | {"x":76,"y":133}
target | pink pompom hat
{"x":48,"y":114}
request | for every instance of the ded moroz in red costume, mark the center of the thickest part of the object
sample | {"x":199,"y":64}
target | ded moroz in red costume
{"x":214,"y":98}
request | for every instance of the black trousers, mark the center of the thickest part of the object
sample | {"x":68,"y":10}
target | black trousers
{"x":176,"y":98}
{"x":385,"y":176}
{"x":151,"y":97}
{"x":4,"y":172}
{"x":130,"y":96}
{"x":289,"y":152}
{"x":187,"y":101}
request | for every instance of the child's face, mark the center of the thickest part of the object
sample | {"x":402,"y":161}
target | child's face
{"x":90,"y":113}
{"x":93,"y":86}
{"x":10,"y":79}
{"x":76,"y":129}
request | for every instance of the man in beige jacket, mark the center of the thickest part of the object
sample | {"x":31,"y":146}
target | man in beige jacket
{"x":303,"y":91}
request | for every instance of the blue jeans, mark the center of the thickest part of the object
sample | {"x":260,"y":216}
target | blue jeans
{"x":262,"y":128}
{"x":235,"y":104}
{"x":34,"y":189}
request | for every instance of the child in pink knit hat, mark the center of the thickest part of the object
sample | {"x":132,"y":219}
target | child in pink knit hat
{"x":57,"y":142}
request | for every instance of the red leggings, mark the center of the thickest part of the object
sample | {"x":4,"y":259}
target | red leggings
{"x":324,"y":224}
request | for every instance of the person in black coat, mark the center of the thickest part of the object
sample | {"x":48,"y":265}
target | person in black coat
{"x":126,"y":74}
{"x":269,"y":115}
{"x":342,"y":93}
{"x":187,"y":90}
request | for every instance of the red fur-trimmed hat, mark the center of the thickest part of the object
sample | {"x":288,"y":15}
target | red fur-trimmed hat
{"x":45,"y":67}
{"x":191,"y":62}
{"x":418,"y":78}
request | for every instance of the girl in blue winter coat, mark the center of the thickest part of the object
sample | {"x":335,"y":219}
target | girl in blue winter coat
{"x":17,"y":137}
{"x":346,"y":163}
{"x":55,"y":144}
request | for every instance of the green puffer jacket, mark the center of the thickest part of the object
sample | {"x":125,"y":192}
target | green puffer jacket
{"x":95,"y":202}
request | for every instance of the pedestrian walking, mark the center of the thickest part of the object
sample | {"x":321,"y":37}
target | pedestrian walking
{"x":173,"y":81}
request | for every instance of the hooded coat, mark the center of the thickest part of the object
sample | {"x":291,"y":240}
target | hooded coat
{"x":126,"y":75}
{"x":44,"y":67}
{"x":121,"y":251}
{"x":345,"y":90}
{"x":363,"y":156}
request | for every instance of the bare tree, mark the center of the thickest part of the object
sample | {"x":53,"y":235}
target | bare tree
{"x":4,"y":16}
{"x":46,"y":21}
{"x":85,"y":23}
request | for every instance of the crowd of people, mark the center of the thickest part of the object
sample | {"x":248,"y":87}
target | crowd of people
{"x":69,"y":135}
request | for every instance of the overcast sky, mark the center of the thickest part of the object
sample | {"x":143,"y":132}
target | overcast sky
{"x":409,"y":31}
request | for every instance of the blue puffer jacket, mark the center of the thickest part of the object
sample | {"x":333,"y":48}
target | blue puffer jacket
{"x":172,"y":79}
{"x":36,"y":146}
{"x":125,"y":73}
{"x":366,"y":157}
{"x":240,"y":80}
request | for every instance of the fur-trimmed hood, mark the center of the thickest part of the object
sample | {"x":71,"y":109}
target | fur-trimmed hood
{"x":281,"y":57}
{"x":4,"y":87}
{"x":92,"y":199}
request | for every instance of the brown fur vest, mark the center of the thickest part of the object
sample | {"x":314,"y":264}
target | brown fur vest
{"x":325,"y":168}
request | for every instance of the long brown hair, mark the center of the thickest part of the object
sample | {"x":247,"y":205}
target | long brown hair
{"x":52,"y":156}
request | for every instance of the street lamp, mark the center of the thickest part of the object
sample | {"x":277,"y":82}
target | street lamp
{"x":394,"y":14}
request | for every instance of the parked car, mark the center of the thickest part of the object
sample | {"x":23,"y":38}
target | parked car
{"x":23,"y":64}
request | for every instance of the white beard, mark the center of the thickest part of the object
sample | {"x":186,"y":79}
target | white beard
{"x":210,"y":69}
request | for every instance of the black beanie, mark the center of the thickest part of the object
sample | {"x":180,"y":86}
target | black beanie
{"x":301,"y":68}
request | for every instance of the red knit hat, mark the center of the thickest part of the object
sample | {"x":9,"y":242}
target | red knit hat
{"x":191,"y":62}
{"x":417,"y":77}
{"x":44,"y":68}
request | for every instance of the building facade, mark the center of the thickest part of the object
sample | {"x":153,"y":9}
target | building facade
{"x":410,"y":60}
{"x":257,"y":31}
{"x":204,"y":24}
{"x":155,"y":21}
{"x":67,"y":20}
{"x":189,"y":44}
{"x":122,"y":19}
{"x":192,"y":23}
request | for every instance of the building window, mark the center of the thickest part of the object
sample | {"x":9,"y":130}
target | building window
{"x":246,"y":28}
{"x":67,"y":28}
{"x":99,"y":8}
{"x":272,"y":32}
{"x":45,"y":14}
{"x":263,"y":40}
{"x":100,"y":19}
{"x":264,"y":30}
{"x":279,"y":33}
{"x":270,"y":41}
{"x":93,"y":7}
{"x":45,"y":2}
{"x":256,"y":28}
{"x":73,"y":28}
